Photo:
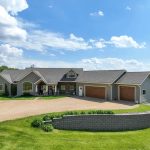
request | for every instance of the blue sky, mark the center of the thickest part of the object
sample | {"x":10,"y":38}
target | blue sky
{"x":93,"y":34}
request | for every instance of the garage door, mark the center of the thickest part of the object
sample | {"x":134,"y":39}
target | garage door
{"x":96,"y":92}
{"x":127,"y":93}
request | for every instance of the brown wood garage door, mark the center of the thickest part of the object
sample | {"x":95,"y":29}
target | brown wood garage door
{"x":127,"y":93}
{"x":96,"y":92}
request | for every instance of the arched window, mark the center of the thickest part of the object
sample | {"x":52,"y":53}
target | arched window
{"x":27,"y":87}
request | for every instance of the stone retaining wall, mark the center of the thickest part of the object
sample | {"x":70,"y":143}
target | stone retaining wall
{"x":104,"y":122}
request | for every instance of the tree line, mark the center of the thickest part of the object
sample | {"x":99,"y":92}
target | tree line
{"x":5,"y":68}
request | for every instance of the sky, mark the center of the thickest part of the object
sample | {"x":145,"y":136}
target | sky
{"x":89,"y":34}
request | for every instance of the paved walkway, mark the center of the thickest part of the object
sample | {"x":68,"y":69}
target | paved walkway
{"x":12,"y":109}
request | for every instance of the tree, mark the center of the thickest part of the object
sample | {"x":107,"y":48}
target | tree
{"x":5,"y":68}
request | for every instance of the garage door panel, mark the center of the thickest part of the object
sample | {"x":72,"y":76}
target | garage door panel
{"x":127,"y":93}
{"x":96,"y":92}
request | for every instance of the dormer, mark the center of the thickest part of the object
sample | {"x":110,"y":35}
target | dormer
{"x":71,"y":74}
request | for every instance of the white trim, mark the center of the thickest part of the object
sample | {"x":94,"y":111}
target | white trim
{"x":5,"y":79}
{"x":96,"y":86}
{"x":145,"y":79}
{"x":29,"y":74}
{"x":127,"y":84}
{"x":3,"y":87}
{"x":26,"y":82}
{"x":135,"y":89}
{"x":139,"y":95}
{"x":39,"y":81}
{"x":111,"y":92}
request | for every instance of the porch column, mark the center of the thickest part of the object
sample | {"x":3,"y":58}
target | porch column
{"x":36,"y":88}
{"x":55,"y":90}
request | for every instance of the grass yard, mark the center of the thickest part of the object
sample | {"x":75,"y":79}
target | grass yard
{"x":30,"y":97}
{"x":19,"y":135}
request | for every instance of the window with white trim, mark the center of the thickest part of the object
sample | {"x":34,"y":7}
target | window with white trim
{"x":27,"y":87}
{"x":63,"y":87}
{"x":1,"y":87}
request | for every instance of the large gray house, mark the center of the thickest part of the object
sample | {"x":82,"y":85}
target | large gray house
{"x":102,"y":84}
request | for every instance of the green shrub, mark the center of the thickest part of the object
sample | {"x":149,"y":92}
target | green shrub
{"x":36,"y":123}
{"x":83,"y":112}
{"x":71,"y":113}
{"x":47,"y":128}
{"x":47,"y":118}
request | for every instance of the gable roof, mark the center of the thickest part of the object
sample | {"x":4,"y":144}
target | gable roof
{"x":48,"y":75}
{"x":135,"y":78}
{"x":100,"y":76}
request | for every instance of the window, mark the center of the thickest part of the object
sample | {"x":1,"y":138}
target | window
{"x":71,"y":87}
{"x":27,"y":86}
{"x":63,"y":87}
{"x":144,"y":92}
{"x":1,"y":87}
{"x":71,"y":74}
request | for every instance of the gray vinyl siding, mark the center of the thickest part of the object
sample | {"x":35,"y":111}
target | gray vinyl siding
{"x":145,"y":86}
{"x":108,"y":89}
{"x":114,"y":92}
{"x":5,"y":83}
{"x":32,"y":77}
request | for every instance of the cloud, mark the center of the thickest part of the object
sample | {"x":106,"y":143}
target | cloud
{"x":114,"y":63}
{"x":98,"y":13}
{"x":9,"y":27}
{"x":128,"y":8}
{"x":14,"y":6}
{"x":8,"y":53}
{"x":16,"y":59}
{"x":42,"y":40}
{"x":125,"y":41}
{"x":101,"y":43}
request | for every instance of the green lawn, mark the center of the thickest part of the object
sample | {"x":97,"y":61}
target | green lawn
{"x":19,"y":135}
{"x":30,"y":97}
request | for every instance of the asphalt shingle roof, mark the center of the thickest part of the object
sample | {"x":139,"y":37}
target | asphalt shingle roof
{"x":133,"y":78}
{"x":50,"y":75}
{"x":100,"y":76}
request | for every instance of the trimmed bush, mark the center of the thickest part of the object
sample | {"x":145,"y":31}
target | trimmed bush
{"x":36,"y":123}
{"x":47,"y":128}
{"x":47,"y":118}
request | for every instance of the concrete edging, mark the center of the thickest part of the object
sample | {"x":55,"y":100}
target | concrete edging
{"x":103,"y":122}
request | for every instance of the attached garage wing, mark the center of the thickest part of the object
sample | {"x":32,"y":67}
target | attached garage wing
{"x":95,"y":92}
{"x":127,"y":93}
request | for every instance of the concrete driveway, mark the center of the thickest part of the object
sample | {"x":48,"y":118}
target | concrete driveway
{"x":12,"y":109}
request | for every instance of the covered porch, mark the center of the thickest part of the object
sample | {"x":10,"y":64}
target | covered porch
{"x":42,"y":88}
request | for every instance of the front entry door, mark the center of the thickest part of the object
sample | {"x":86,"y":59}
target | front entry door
{"x":80,"y":90}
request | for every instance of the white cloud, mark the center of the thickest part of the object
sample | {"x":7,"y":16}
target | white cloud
{"x":42,"y":40}
{"x":9,"y":28}
{"x":114,"y":63}
{"x":125,"y":41}
{"x":128,"y":8}
{"x":14,"y":6}
{"x":98,"y":13}
{"x":8,"y":53}
{"x":98,"y":43}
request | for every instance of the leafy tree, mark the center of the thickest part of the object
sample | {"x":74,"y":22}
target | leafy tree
{"x":5,"y":68}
